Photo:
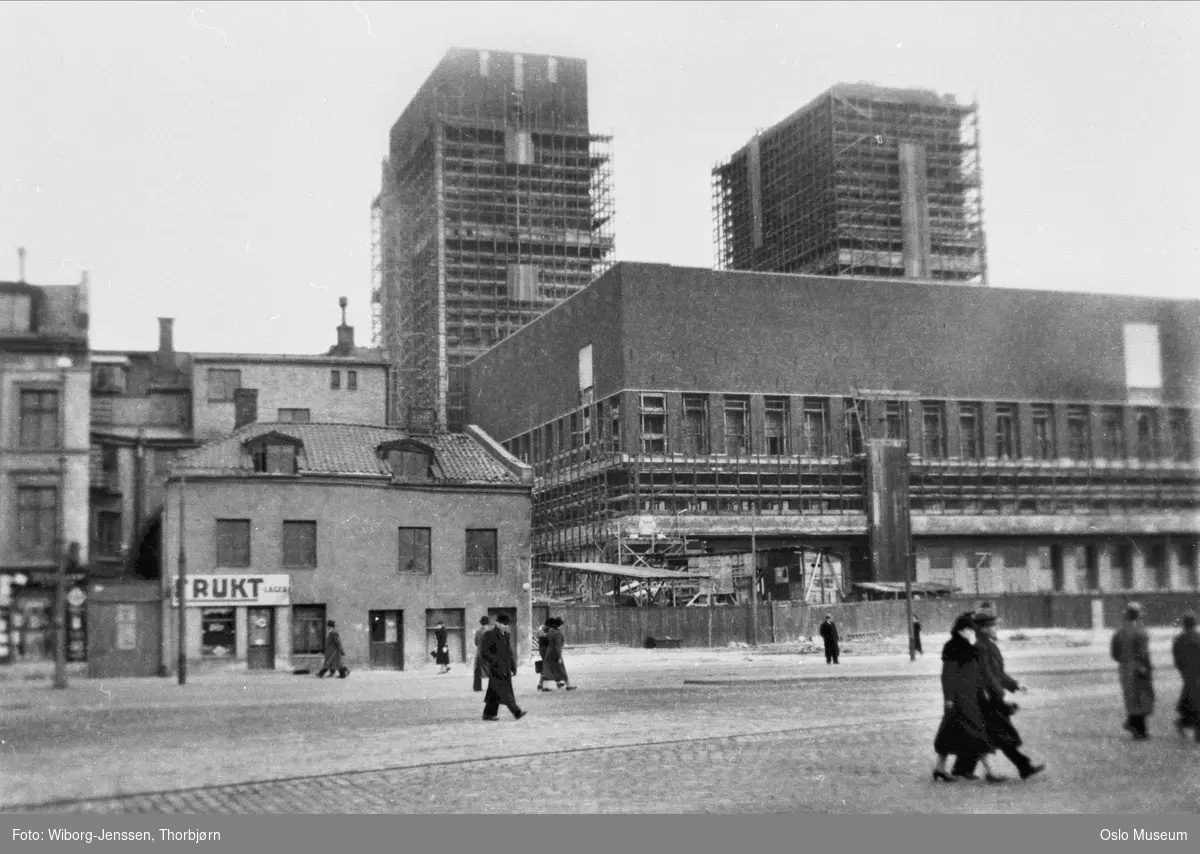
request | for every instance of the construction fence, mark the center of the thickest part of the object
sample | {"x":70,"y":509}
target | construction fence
{"x":791,"y":622}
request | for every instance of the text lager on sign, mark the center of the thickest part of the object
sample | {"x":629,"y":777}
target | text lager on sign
{"x":233,"y":589}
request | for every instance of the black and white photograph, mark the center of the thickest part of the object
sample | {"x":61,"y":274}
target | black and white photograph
{"x":590,"y":408}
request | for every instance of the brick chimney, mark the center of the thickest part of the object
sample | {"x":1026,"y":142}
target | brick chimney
{"x":166,"y":337}
{"x":345,"y":334}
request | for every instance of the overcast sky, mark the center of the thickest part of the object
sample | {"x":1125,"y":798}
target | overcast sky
{"x":215,"y":162}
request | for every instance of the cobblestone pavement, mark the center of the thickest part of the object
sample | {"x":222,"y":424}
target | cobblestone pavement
{"x":846,"y":744}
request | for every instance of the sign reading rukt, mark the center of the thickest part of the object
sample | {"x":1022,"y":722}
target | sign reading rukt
{"x":210,"y":590}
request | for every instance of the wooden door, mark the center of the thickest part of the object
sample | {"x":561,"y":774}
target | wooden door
{"x":260,"y":639}
{"x":387,"y":640}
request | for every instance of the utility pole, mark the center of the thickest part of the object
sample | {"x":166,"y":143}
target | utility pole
{"x":60,"y":582}
{"x":909,"y":572}
{"x":754,"y":575}
{"x":182,"y":584}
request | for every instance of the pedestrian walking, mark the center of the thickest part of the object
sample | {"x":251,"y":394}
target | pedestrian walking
{"x":829,"y":634}
{"x":917,"y":637}
{"x":1186,"y":652}
{"x":477,"y":684}
{"x":442,"y":654}
{"x":962,"y":731}
{"x":553,"y":668}
{"x":333,"y":654}
{"x":1130,"y":648}
{"x":496,"y":649}
{"x":543,"y":645}
{"x":997,"y":711}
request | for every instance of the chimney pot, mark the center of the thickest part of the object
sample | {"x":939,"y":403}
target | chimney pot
{"x":166,"y":343}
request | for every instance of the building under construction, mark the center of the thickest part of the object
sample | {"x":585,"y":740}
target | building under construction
{"x":495,"y":206}
{"x":829,"y":435}
{"x":862,"y":181}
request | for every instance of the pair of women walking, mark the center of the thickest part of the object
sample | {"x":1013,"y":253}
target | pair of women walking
{"x":551,"y":668}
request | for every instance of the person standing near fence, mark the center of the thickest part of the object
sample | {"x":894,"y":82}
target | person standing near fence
{"x":916,"y":629}
{"x":1186,"y":653}
{"x":1130,"y":648}
{"x":829,"y":634}
{"x":497,"y":652}
{"x":477,"y":684}
{"x":543,"y":644}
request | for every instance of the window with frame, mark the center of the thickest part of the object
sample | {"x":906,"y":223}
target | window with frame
{"x":410,"y":464}
{"x":1112,"y":433}
{"x":233,"y":543}
{"x":109,"y":378}
{"x":853,"y":414}
{"x":106,"y":541}
{"x":16,"y":314}
{"x":654,"y":423}
{"x":218,"y":633}
{"x":933,"y":430}
{"x":1008,"y":446}
{"x":293,"y":416}
{"x":614,"y":424}
{"x":352,"y":380}
{"x":222,"y":383}
{"x":941,"y":564}
{"x":308,"y":630}
{"x":1079,"y":434}
{"x":970,"y":431}
{"x":737,"y":424}
{"x":37,"y":521}
{"x":1180,"y":429}
{"x":482,"y":557}
{"x":775,"y":425}
{"x":895,"y":416}
{"x":335,"y":379}
{"x":39,"y":419}
{"x":275,"y":458}
{"x":300,"y":544}
{"x":816,"y":426}
{"x":415,"y":551}
{"x":1042,"y":416}
{"x":695,"y":424}
{"x":1146,"y":439}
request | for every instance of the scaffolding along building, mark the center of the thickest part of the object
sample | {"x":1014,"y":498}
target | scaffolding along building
{"x":496,"y":205}
{"x":862,"y":181}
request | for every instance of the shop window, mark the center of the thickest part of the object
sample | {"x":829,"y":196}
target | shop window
{"x":222,"y":383}
{"x":233,"y":543}
{"x":414,"y":550}
{"x":300,"y":544}
{"x":218,"y":633}
{"x":39,"y":419}
{"x":481,"y":551}
{"x":308,"y":630}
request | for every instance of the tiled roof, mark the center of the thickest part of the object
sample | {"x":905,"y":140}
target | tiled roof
{"x":349,"y":449}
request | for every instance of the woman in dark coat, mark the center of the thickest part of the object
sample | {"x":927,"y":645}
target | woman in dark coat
{"x":543,"y":644}
{"x":1186,"y":652}
{"x":963,"y":731}
{"x":553,"y":669}
{"x":1130,"y":648}
{"x":442,"y":655}
{"x":333,"y":655}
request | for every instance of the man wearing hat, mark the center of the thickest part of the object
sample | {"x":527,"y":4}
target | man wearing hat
{"x":1130,"y":648}
{"x":333,"y":654}
{"x":997,"y":712}
{"x":477,"y":685}
{"x":1186,"y":652}
{"x":501,"y":665}
{"x":829,"y":634}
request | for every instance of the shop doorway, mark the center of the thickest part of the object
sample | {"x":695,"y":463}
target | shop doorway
{"x":387,"y":640}
{"x":260,"y":646}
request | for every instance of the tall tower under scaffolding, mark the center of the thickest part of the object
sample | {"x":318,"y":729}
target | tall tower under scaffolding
{"x":862,"y":181}
{"x":496,"y":205}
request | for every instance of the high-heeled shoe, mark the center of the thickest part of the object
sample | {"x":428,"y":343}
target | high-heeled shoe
{"x":995,"y":778}
{"x":942,"y":777}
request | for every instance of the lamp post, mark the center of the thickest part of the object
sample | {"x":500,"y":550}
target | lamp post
{"x":63,"y":363}
{"x":181,"y":582}
{"x":754,"y":575}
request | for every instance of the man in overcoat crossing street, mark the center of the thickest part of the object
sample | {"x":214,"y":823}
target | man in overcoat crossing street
{"x":477,"y":685}
{"x":1185,"y":650}
{"x":496,"y":649}
{"x":997,"y":712}
{"x":829,"y":634}
{"x":1130,"y":648}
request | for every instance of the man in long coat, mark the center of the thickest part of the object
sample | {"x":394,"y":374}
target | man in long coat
{"x":477,"y":685}
{"x":333,"y":655}
{"x":1186,"y":653}
{"x":829,"y":634}
{"x":1130,"y":648}
{"x":997,"y":712}
{"x":497,"y":652}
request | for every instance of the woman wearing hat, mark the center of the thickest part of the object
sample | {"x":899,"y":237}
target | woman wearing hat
{"x":553,"y":669}
{"x":1186,"y":652}
{"x":1130,"y":648}
{"x":963,"y":731}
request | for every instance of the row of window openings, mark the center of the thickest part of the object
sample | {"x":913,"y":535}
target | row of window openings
{"x":218,"y":628}
{"x":224,"y":382}
{"x":1120,"y":557}
{"x":300,"y":547}
{"x":575,"y":431}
